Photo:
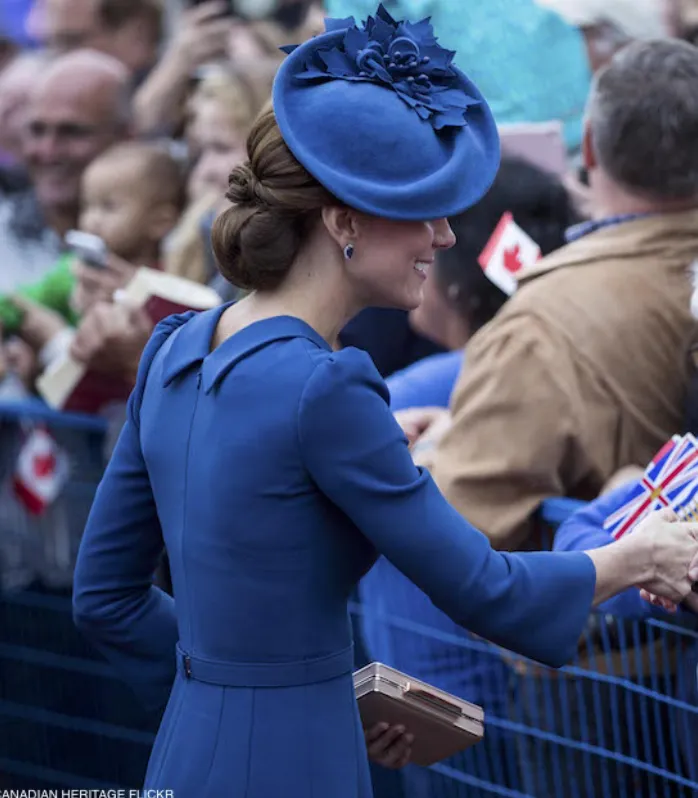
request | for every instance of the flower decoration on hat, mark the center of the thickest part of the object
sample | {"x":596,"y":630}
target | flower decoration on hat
{"x":401,"y":56}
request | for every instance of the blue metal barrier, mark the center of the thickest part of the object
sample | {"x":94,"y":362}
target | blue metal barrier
{"x":619,"y":721}
{"x":66,"y":721}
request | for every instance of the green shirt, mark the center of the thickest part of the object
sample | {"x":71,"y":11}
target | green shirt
{"x":52,"y":291}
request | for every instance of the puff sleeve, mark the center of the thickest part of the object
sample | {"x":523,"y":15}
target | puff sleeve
{"x":535,"y":604}
{"x":115,"y":603}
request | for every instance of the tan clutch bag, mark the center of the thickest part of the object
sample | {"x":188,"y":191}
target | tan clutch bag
{"x":441,"y":723}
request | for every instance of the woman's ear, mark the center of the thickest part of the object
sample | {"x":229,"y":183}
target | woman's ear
{"x":342,"y":224}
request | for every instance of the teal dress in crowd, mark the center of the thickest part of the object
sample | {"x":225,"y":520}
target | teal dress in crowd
{"x":530,"y":65}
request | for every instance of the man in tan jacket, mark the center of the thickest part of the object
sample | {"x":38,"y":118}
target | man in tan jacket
{"x":583,"y":371}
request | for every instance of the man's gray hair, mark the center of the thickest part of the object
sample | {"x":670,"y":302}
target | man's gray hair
{"x":643,"y":116}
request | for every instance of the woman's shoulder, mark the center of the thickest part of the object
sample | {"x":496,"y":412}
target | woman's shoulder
{"x":342,"y":366}
{"x":341,"y":378}
{"x":163,"y":331}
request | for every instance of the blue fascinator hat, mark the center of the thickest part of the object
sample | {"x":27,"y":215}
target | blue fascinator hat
{"x":381,"y":117}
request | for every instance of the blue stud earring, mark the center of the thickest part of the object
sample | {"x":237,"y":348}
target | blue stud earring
{"x":349,"y":251}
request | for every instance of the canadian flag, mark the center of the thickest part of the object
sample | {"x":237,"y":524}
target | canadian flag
{"x":508,"y":251}
{"x":41,"y":471}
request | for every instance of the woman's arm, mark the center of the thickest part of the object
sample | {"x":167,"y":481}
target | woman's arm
{"x":201,"y":36}
{"x":583,"y":531}
{"x":535,"y":603}
{"x":115,"y":603}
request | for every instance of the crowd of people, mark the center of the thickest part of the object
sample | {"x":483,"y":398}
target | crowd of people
{"x":124,"y":119}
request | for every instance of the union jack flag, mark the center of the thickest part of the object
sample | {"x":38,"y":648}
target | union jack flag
{"x":670,"y":480}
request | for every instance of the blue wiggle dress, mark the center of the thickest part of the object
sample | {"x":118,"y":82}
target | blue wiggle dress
{"x":274,"y":472}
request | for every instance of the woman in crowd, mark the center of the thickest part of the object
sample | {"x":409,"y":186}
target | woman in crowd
{"x":271,"y":464}
{"x":222,"y":109}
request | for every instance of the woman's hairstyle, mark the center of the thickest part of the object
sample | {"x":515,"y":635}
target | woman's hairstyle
{"x":275,"y":204}
{"x":540,"y":206}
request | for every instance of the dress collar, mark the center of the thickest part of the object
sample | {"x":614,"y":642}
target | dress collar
{"x":191,"y":344}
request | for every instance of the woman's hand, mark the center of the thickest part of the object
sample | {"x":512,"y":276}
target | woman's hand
{"x":659,"y":556}
{"x":673,"y":549}
{"x":389,"y":746}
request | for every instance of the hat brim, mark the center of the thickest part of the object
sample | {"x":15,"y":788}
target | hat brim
{"x":374,"y":153}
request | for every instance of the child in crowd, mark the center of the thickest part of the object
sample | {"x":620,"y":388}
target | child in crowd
{"x":132,"y":197}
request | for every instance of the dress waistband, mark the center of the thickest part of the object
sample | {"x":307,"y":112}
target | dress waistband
{"x":265,"y":674}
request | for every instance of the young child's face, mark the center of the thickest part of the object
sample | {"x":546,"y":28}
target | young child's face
{"x":117,"y":207}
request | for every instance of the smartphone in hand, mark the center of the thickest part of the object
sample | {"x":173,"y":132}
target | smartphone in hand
{"x":91,"y":250}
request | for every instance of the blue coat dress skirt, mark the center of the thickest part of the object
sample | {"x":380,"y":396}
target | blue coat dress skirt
{"x":274,"y":473}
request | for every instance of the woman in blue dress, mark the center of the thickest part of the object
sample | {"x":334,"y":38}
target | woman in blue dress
{"x":271,"y":466}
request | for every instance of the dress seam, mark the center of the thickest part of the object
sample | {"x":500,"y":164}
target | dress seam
{"x":249,"y":744}
{"x":217,"y":738}
{"x":299,"y":409}
{"x":185,"y":496}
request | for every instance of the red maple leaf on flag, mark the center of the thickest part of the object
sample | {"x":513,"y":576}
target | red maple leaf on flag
{"x":44,"y":464}
{"x":512,"y":259}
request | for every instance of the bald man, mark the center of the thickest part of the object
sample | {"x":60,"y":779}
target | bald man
{"x":78,"y":108}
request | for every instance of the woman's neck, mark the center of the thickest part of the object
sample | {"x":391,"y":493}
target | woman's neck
{"x":326,"y":312}
{"x":315,"y":292}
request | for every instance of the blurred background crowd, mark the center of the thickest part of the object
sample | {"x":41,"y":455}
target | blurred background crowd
{"x":123,"y":119}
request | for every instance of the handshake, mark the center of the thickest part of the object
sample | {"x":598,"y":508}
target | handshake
{"x":660,"y":509}
{"x":664,"y":498}
{"x":670,"y":546}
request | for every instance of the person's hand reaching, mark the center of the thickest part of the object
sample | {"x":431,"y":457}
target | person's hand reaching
{"x":94,"y":285}
{"x":416,"y":421}
{"x":202,"y":35}
{"x":39,"y":323}
{"x":111,"y":339}
{"x":22,"y":361}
